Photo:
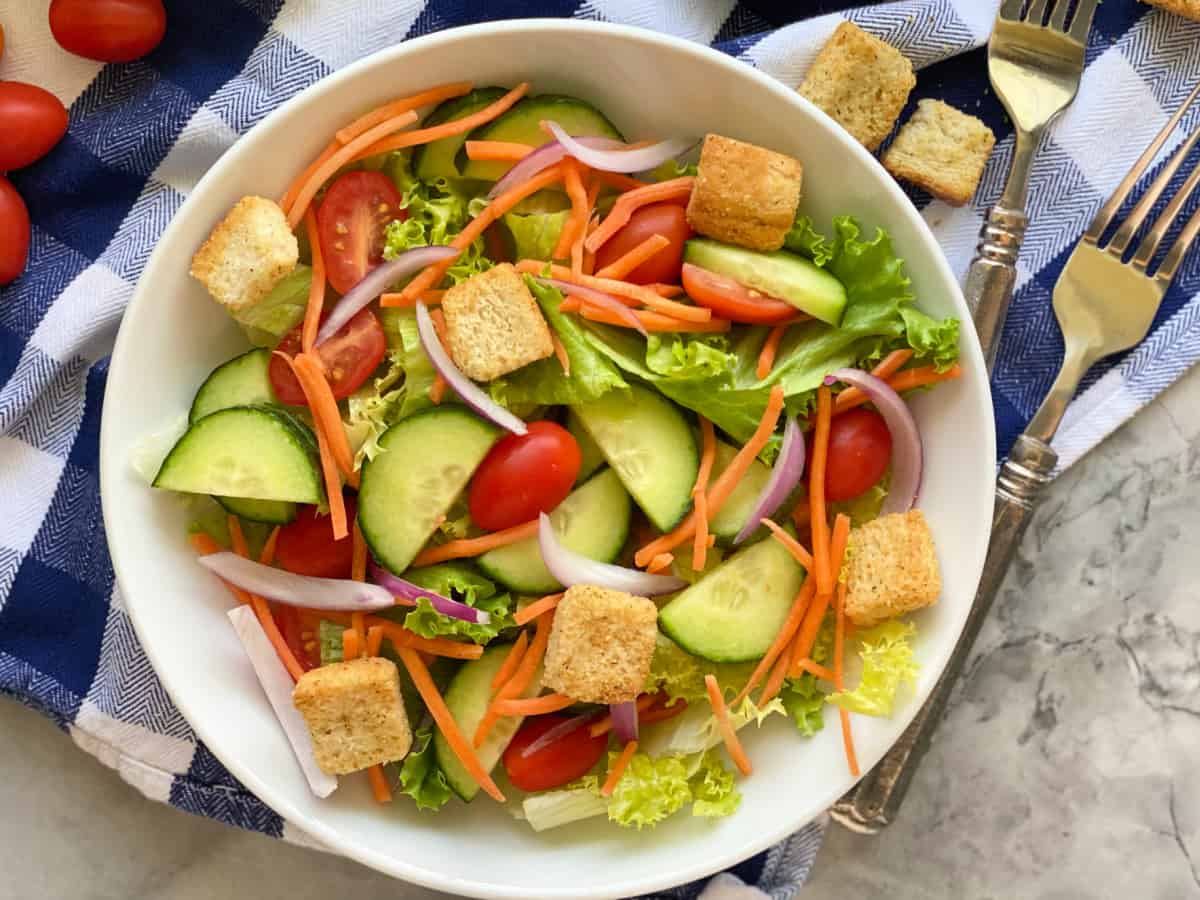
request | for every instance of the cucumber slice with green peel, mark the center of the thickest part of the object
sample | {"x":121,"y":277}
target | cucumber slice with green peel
{"x":272,"y":512}
{"x":252,"y":452}
{"x":437,"y":158}
{"x":779,"y":273}
{"x":425,"y":462}
{"x":593,"y":520}
{"x":522,"y":125}
{"x":733,"y":513}
{"x":735,"y":611}
{"x":647,"y":439}
{"x":467,"y":698}
{"x":592,"y":458}
{"x":242,"y":381}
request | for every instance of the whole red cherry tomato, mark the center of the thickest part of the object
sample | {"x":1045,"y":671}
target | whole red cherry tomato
{"x":524,"y":475}
{"x":14,"y":232}
{"x":34,"y":121}
{"x":108,"y":30}
{"x":667,"y":219}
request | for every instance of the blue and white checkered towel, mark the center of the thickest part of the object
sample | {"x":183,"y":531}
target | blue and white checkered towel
{"x":141,"y":135}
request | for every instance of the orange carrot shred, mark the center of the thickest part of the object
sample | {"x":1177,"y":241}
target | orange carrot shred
{"x":700,"y":493}
{"x":604,"y":725}
{"x":511,"y":661}
{"x":618,"y":769}
{"x":660,"y":563}
{"x":906,"y":380}
{"x":536,"y":608}
{"x":560,"y":353}
{"x":666,"y":290}
{"x":374,"y":640}
{"x":500,"y":151}
{"x":310,"y":372}
{"x":795,"y":616}
{"x":627,"y":203}
{"x":651,"y":321}
{"x":792,"y":545}
{"x":521,"y":679}
{"x":577,"y":222}
{"x":316,"y":287}
{"x":816,"y":611}
{"x":380,"y":789}
{"x":839,"y":640}
{"x":394,"y":107}
{"x":351,"y":647}
{"x":766,"y":358}
{"x":431,"y":297}
{"x":267,"y":555}
{"x":438,"y":389}
{"x":890,"y":364}
{"x":620,"y":289}
{"x":817,"y":670}
{"x":619,"y":182}
{"x":775,"y":680}
{"x":534,"y":706}
{"x":816,"y":491}
{"x":627,"y":262}
{"x":465,"y":547}
{"x":289,"y":196}
{"x":732,"y":744}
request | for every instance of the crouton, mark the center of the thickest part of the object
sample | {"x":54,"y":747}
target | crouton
{"x":744,"y":194}
{"x":860,"y":81}
{"x":1189,"y":9}
{"x":493,"y":324}
{"x":942,"y":151}
{"x":355,"y":714}
{"x":247,"y":254}
{"x":601,"y":644}
{"x":891,"y":568}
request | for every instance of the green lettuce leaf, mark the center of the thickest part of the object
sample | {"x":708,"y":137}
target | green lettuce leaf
{"x":375,"y":407}
{"x":713,"y":789}
{"x":458,"y":582}
{"x":267,"y":321}
{"x":536,"y":234}
{"x":866,"y":506}
{"x":329,"y":639}
{"x":649,"y":791}
{"x":805,"y":703}
{"x":400,"y":329}
{"x":887,"y":663}
{"x":420,"y":776}
{"x":681,"y":676}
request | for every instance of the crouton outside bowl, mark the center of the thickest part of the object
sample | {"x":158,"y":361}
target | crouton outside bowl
{"x":173,"y":335}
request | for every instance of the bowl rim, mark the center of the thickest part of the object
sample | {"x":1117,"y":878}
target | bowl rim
{"x":720,"y":859}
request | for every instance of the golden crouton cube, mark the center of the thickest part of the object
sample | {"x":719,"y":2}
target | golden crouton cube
{"x":1189,"y":9}
{"x":891,"y":568}
{"x":601,"y":644}
{"x":354,"y":713}
{"x":744,"y":194}
{"x":493,"y":324}
{"x":860,"y":81}
{"x":942,"y":151}
{"x":247,"y":254}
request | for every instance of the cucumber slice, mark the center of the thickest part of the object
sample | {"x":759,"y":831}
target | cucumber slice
{"x":593,"y":520}
{"x":253,"y":452}
{"x":648,"y":441}
{"x":426,"y":461}
{"x":735,"y":611}
{"x":781,"y":274}
{"x":436,"y":159}
{"x":589,"y":450}
{"x":242,"y":381}
{"x":522,"y":125}
{"x":467,"y":698}
{"x":733,"y":513}
{"x":273,"y":512}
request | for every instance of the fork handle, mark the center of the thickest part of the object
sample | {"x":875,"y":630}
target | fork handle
{"x":872,"y":804}
{"x":993,"y":274}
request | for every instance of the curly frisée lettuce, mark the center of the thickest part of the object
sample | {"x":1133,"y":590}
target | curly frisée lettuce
{"x":420,"y":777}
{"x":460,"y":583}
{"x":887,"y":664}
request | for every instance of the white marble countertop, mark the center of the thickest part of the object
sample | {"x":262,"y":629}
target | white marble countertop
{"x":1069,"y":765}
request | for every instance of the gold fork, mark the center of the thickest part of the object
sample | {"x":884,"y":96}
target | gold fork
{"x":1035,"y":60}
{"x":1103,"y":304}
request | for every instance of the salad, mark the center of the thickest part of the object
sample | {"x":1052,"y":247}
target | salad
{"x":556,"y":459}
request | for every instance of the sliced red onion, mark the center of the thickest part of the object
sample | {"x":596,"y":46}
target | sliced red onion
{"x":569,"y":568}
{"x":639,"y":160}
{"x":599,"y":298}
{"x":908,"y":460}
{"x":789,"y":469}
{"x":559,"y":731}
{"x":277,"y":685}
{"x":625,"y":720}
{"x":398,"y":587}
{"x":543,"y":158}
{"x":376,"y":282}
{"x":469,"y":392}
{"x":333,"y":594}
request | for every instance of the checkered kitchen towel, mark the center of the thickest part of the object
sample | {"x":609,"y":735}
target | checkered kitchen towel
{"x":141,"y":134}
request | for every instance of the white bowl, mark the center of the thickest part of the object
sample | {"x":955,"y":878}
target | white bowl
{"x":173,"y":335}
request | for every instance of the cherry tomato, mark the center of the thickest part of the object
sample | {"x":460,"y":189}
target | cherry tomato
{"x":351,"y":222}
{"x":732,"y":300}
{"x":350,"y":356}
{"x":860,"y":447}
{"x":287,"y":619}
{"x":524,"y":475}
{"x":34,"y":121}
{"x":556,"y":764}
{"x":667,"y":219}
{"x":108,"y":30}
{"x":14,"y":232}
{"x":306,"y":545}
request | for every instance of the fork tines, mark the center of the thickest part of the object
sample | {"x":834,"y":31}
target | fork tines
{"x":1033,"y":12}
{"x":1121,"y":239}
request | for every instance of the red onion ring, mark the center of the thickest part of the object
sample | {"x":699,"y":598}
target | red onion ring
{"x":569,"y":568}
{"x":625,"y":720}
{"x":599,"y":298}
{"x":398,"y":587}
{"x":333,"y":594}
{"x":543,"y":158}
{"x":788,"y":470}
{"x":639,"y":160}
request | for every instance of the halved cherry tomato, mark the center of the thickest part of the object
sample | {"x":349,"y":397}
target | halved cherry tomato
{"x":108,"y":30}
{"x":734,"y":301}
{"x":860,"y":447}
{"x":350,"y":356}
{"x":556,"y":764}
{"x":14,"y":232}
{"x":287,"y":619}
{"x":306,"y":545}
{"x":667,"y":219}
{"x":524,"y":475}
{"x":34,"y":121}
{"x":352,"y":222}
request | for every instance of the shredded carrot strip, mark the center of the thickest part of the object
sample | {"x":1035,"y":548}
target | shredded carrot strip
{"x":312,"y":183}
{"x":660,"y":563}
{"x":429,"y":298}
{"x":402,"y":637}
{"x":619,"y":182}
{"x":604,"y":725}
{"x":587,"y":260}
{"x":289,"y":196}
{"x":267,"y":556}
{"x":732,"y":744}
{"x":498,"y":207}
{"x":374,"y":640}
{"x":534,"y":706}
{"x":521,"y":679}
{"x":498,"y":151}
{"x":351,"y":646}
{"x":723,"y":487}
{"x":437,"y":390}
{"x":787,"y":631}
{"x":640,"y":293}
{"x":766,"y":357}
{"x":891,"y":364}
{"x":627,"y":262}
{"x":560,"y":353}
{"x":310,"y":372}
{"x":393,"y":108}
{"x":816,"y":492}
{"x":667,"y":290}
{"x":577,"y":222}
{"x":627,"y":203}
{"x":358,"y":572}
{"x":316,"y":287}
{"x":793,"y":546}
{"x":816,"y":669}
{"x":380,"y":789}
{"x":662,"y":713}
{"x":839,"y":641}
{"x":816,"y":611}
{"x":618,"y":769}
{"x":775,"y":679}
{"x":465,"y":547}
{"x":700,"y":493}
{"x":536,"y":608}
{"x":511,"y":661}
{"x":650,"y":320}
{"x":445,"y":722}
{"x":446,"y":129}
{"x":900,"y":382}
